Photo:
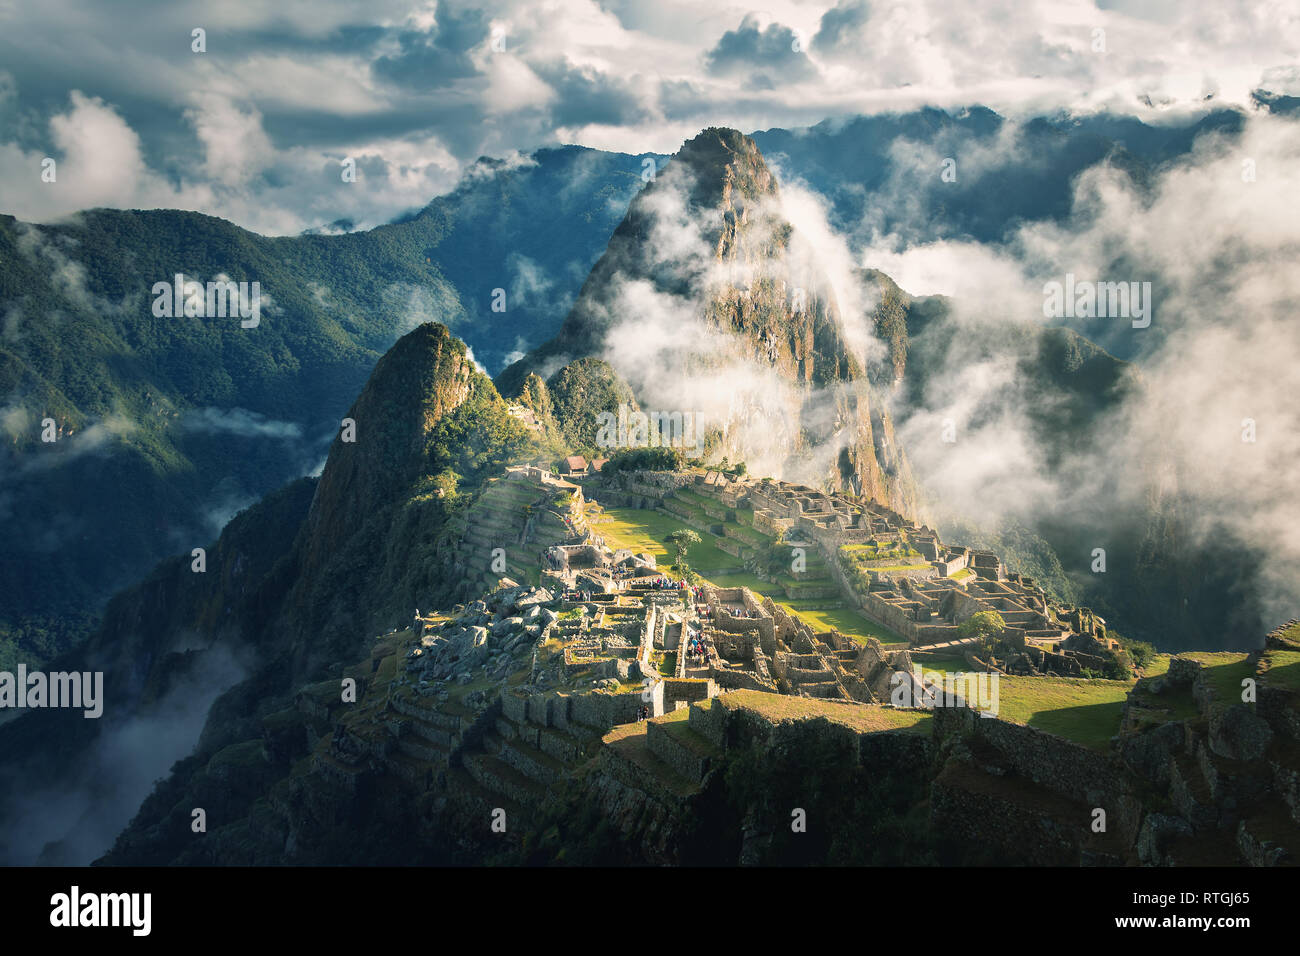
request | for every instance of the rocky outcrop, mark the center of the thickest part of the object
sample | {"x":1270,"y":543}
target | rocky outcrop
{"x":707,"y":243}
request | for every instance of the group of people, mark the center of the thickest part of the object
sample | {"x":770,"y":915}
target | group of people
{"x":704,"y":612}
{"x":742,"y":612}
{"x":643,"y":713}
{"x":697,"y":652}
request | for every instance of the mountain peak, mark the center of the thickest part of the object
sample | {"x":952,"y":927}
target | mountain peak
{"x":382,"y":440}
{"x":726,"y":166}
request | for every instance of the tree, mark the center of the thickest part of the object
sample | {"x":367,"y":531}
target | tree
{"x":985,"y":625}
{"x":681,"y":540}
{"x":777,"y":559}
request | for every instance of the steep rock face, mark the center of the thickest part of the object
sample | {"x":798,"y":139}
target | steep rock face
{"x":421,"y":379}
{"x":708,"y":299}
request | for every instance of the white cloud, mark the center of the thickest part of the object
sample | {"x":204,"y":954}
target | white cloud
{"x":1221,"y":349}
{"x":287,"y":89}
{"x":234,"y":142}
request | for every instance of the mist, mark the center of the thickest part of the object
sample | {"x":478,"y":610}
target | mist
{"x":1212,"y":421}
{"x":77,"y":820}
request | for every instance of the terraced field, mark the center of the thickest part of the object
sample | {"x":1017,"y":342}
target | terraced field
{"x":1283,"y":669}
{"x":1224,"y":671}
{"x":863,"y":718}
{"x":1085,"y":711}
{"x":641,"y":530}
{"x":943,"y":663}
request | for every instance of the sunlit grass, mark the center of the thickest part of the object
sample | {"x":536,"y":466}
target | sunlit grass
{"x":1085,"y":711}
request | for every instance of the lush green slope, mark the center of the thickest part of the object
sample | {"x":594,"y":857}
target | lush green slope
{"x":167,"y":426}
{"x":293,"y":585}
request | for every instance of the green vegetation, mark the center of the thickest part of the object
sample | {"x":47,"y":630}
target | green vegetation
{"x":642,"y":530}
{"x":1020,"y":550}
{"x":1223,"y":672}
{"x":877,"y":551}
{"x":579,"y":393}
{"x":1085,"y":711}
{"x":945,"y":663}
{"x":1141,"y":653}
{"x":849,"y":622}
{"x":478,"y":438}
{"x":983,"y":625}
{"x":889,"y":320}
{"x":649,"y":531}
{"x":192,"y":418}
{"x":680,"y":541}
{"x":864,"y":718}
{"x":855,"y":558}
{"x":645,"y":459}
{"x":1282,"y":669}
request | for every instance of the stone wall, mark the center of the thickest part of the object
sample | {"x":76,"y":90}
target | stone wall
{"x":602,"y":710}
{"x":514,"y":706}
{"x":684,"y":762}
{"x":710,"y":723}
{"x":689,"y":689}
{"x":1057,"y":764}
{"x":724,"y":621}
{"x":989,"y":813}
{"x":728,"y":679}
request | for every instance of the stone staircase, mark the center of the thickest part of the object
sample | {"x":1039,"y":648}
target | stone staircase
{"x":653,"y":762}
{"x":518,"y":762}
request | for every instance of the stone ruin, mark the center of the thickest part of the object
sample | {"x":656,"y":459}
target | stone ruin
{"x":904,"y":577}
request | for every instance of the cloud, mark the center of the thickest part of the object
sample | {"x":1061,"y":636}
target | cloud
{"x":658,"y":296}
{"x":770,"y":55}
{"x":239,"y":421}
{"x":254,"y":129}
{"x":418,"y":304}
{"x":234,"y":142}
{"x":435,"y":56}
{"x":1214,"y":235}
{"x":76,"y":822}
{"x":99,"y":162}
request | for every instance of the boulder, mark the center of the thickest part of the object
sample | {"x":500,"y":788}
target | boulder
{"x":1239,"y":733}
{"x":506,"y":626}
{"x":537,"y":597}
{"x":1158,"y":830}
